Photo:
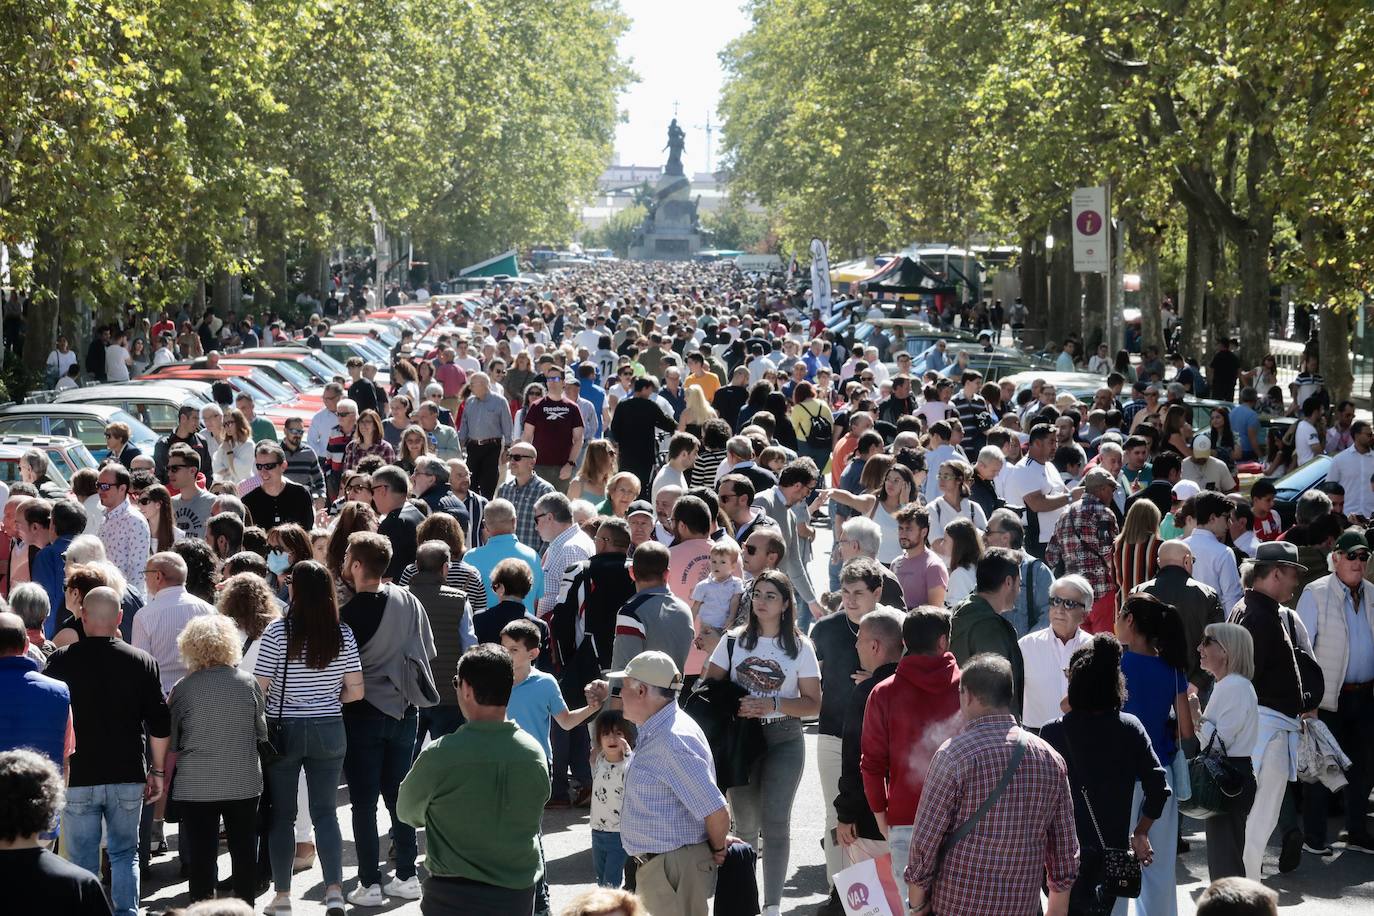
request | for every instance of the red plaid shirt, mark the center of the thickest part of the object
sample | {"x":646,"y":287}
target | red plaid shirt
{"x":1027,"y":835}
{"x":1083,"y":540}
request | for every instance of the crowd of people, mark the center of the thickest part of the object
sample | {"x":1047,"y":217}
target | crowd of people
{"x":526,"y":587}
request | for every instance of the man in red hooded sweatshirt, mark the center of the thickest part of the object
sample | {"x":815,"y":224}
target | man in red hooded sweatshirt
{"x":909,"y":716}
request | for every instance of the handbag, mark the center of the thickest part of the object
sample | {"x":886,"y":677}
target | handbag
{"x":273,"y":749}
{"x":1120,"y":867}
{"x":1311,"y":680}
{"x":1214,"y":781}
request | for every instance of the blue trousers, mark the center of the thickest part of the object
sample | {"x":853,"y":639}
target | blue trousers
{"x":317,"y":746}
{"x":380,"y":751}
{"x":118,"y":807}
{"x":608,"y":858}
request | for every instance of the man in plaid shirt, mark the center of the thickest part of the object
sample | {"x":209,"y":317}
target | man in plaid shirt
{"x":1084,"y":535}
{"x":1025,"y":836}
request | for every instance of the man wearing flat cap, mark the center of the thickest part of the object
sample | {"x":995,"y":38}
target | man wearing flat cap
{"x":1273,"y":577}
{"x":673,"y":821}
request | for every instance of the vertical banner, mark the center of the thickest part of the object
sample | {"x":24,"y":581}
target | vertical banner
{"x":1091,"y":253}
{"x":820,"y":277}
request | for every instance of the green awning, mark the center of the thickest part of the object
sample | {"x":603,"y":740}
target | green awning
{"x":501,"y":264}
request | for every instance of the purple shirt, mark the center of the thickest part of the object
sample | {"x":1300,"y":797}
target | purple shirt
{"x":918,"y":575}
{"x":452,"y":377}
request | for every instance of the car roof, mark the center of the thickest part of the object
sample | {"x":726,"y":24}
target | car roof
{"x":74,"y":407}
{"x":27,"y":442}
{"x":147,"y":392}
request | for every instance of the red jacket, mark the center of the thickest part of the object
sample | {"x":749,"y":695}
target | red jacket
{"x":907,"y":718}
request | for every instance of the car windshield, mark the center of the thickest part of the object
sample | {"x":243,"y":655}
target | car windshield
{"x":1303,"y":478}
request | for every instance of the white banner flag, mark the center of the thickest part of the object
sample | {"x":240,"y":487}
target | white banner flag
{"x":1091,"y":253}
{"x":820,"y":277}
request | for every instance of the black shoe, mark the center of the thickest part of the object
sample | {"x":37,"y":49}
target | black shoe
{"x":832,"y":906}
{"x":1184,"y":846}
{"x":1290,"y":854}
{"x":1358,"y":842}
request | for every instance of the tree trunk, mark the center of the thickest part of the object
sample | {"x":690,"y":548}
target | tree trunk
{"x":1197,"y":281}
{"x":1146,"y":244}
{"x":40,"y":333}
{"x":1333,"y":340}
{"x":222,"y":294}
{"x":1033,"y":277}
{"x":1094,"y":313}
{"x":1252,"y":313}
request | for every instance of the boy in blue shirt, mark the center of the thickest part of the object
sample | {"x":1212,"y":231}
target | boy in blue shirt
{"x":536,"y":699}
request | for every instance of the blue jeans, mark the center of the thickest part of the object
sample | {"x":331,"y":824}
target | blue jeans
{"x":899,"y":844}
{"x":608,"y":858}
{"x":570,"y":750}
{"x":118,"y":807}
{"x":317,"y":746}
{"x":437,"y":721}
{"x":378,"y":758}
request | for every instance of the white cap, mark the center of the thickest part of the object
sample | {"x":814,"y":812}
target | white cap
{"x":1186,"y":489}
{"x":1202,"y":443}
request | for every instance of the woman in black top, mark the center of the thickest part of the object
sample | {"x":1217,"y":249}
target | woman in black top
{"x":1108,"y":753}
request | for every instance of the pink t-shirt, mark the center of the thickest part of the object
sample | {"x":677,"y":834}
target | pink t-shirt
{"x":918,"y":575}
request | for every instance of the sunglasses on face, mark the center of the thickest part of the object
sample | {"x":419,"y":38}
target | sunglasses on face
{"x":294,"y":430}
{"x":521,"y":457}
{"x":268,"y":465}
{"x":106,"y":487}
{"x":173,"y":468}
{"x":1056,"y":601}
{"x":146,"y":500}
{"x":357,"y":487}
{"x":1357,"y":555}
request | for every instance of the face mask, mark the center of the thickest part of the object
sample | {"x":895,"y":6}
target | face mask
{"x":278,"y":562}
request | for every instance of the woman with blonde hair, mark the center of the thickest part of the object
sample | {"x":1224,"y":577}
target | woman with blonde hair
{"x":621,"y":490}
{"x":1135,"y":559}
{"x":1227,"y":653}
{"x":605,"y":901}
{"x":598,"y":467}
{"x":696,"y":413}
{"x":233,"y":460}
{"x":521,"y":373}
{"x":217,"y":722}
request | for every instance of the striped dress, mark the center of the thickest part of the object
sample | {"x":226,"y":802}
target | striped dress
{"x":1132,"y":564}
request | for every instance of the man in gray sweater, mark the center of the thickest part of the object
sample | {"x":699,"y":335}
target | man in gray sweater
{"x":396,"y":644}
{"x":654,"y":618}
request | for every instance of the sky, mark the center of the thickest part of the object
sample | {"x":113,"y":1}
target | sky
{"x":674,"y":48}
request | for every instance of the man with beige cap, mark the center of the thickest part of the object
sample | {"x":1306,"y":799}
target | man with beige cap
{"x":1205,"y":469}
{"x":673,"y":822}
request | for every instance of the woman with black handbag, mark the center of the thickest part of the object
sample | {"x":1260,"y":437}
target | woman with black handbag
{"x":1109,"y":754}
{"x":1231,"y":722}
{"x":777,"y":665}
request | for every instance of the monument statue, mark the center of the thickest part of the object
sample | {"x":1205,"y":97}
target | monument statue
{"x":675,"y":147}
{"x":671,"y":229}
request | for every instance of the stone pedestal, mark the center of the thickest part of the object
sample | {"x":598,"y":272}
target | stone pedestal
{"x":669,"y":232}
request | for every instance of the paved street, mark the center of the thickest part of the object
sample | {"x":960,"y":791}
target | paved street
{"x":1342,"y":884}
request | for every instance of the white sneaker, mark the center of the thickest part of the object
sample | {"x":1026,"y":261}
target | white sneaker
{"x":409,"y":889}
{"x":367,"y":895}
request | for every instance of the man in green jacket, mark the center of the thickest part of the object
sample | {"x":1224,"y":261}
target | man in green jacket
{"x":488,"y":773}
{"x":979,"y":624}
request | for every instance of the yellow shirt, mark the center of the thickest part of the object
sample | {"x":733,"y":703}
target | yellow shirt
{"x":707,"y":381}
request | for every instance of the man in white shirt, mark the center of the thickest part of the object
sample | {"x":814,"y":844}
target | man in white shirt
{"x":325,"y":420}
{"x":117,"y":359}
{"x":163,"y":355}
{"x":682,"y":454}
{"x":1047,"y":652}
{"x":1307,"y":442}
{"x":1038,"y":486}
{"x":1353,"y":468}
{"x":158,"y":624}
{"x":1214,"y":563}
{"x":1206,"y":471}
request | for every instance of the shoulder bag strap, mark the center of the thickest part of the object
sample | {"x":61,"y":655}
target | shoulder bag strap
{"x":285,"y":666}
{"x":967,"y":826}
{"x":1087,"y":802}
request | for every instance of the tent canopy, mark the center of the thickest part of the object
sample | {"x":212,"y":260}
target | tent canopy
{"x":504,"y":263}
{"x":904,"y":275}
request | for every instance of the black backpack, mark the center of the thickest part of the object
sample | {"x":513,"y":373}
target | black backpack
{"x":821,"y":431}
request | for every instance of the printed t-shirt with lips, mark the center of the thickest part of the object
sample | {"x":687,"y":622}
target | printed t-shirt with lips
{"x":766,"y":670}
{"x":553,"y":423}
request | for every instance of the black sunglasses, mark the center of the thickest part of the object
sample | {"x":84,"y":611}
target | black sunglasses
{"x":1359,"y":555}
{"x":267,"y":466}
{"x":751,"y":549}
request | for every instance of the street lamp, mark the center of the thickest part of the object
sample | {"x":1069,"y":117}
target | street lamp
{"x":1049,"y":277}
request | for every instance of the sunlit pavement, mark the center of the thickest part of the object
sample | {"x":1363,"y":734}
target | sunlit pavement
{"x":1341,"y":884}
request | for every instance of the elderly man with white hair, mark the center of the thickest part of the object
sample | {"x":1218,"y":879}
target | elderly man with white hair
{"x":861,"y":537}
{"x":1047,"y":652}
{"x":162,"y":619}
{"x":485,"y":431}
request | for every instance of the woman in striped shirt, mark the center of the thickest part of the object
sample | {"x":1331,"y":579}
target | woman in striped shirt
{"x":1135,"y":559}
{"x":308,"y":667}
